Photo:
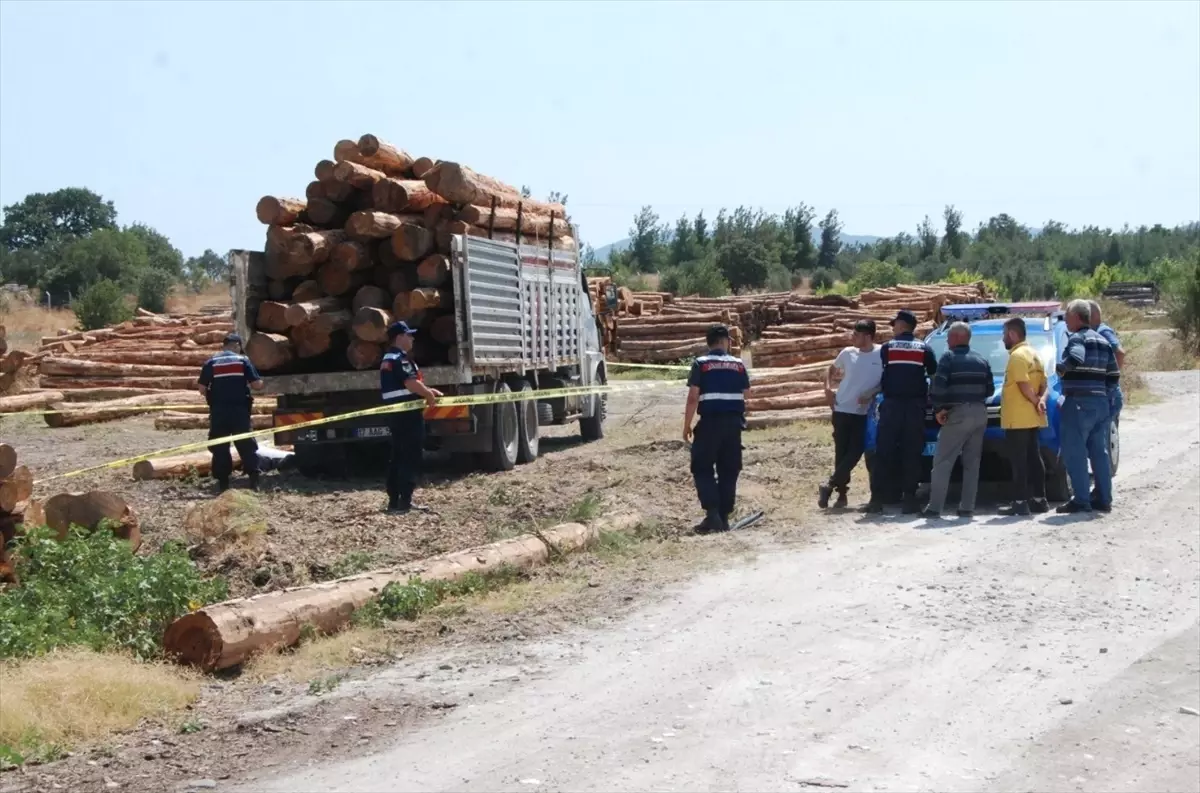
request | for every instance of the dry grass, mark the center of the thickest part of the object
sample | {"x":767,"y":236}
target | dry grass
{"x":25,"y":325}
{"x":1124,"y":317}
{"x":234,"y":523}
{"x":323,"y":654}
{"x":183,"y":302}
{"x":1151,"y":351}
{"x":50,"y":703}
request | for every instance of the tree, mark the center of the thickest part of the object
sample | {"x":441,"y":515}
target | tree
{"x":831,"y":243}
{"x":107,"y":254}
{"x":526,"y":192}
{"x":953,"y":239}
{"x":209,"y":264}
{"x":645,"y":238}
{"x":556,"y":197}
{"x":100,"y":305}
{"x":160,"y":253}
{"x":928,"y":238}
{"x":41,"y":219}
{"x":821,"y":279}
{"x":681,"y":243}
{"x":153,"y":290}
{"x":700,"y":230}
{"x":23,"y":266}
{"x":798,"y":222}
{"x":877,"y":275}
{"x":701,"y":277}
{"x":744,"y":263}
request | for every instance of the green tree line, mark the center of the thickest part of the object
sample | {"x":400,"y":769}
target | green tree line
{"x":750,"y":249}
{"x":68,"y":245}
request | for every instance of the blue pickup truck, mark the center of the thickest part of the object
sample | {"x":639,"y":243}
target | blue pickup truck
{"x":1047,"y":332}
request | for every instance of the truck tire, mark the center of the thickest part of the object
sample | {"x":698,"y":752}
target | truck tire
{"x":1058,"y":484}
{"x":527,"y":425}
{"x":310,"y":460}
{"x":1114,"y":445}
{"x":505,"y":434}
{"x":592,"y":428}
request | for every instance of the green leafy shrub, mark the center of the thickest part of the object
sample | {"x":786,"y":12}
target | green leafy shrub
{"x":100,"y":305}
{"x":874,"y":274}
{"x":153,"y":290}
{"x":1182,"y":288}
{"x":408,"y":601}
{"x":91,"y":590}
{"x":822,"y":279}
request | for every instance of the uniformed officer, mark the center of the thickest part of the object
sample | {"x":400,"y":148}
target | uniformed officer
{"x":717,"y":389}
{"x":900,"y":436}
{"x":225,"y":381}
{"x":400,"y":381}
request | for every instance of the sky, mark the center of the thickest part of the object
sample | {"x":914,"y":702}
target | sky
{"x":184,"y":114}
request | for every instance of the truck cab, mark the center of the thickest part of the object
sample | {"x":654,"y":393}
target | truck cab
{"x":1046,"y":332}
{"x":524,"y":326}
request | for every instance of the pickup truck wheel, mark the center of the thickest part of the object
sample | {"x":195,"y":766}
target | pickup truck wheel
{"x":592,"y":427}
{"x":527,"y":425}
{"x":505,"y":434}
{"x":1114,"y":445}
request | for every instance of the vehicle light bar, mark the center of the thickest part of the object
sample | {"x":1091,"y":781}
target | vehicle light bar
{"x":968,"y":311}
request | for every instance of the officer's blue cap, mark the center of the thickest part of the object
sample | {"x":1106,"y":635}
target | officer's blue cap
{"x":398,"y":329}
{"x":233,"y":338}
{"x":904,"y":315}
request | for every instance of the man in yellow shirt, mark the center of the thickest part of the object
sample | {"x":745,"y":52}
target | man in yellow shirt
{"x":1022,"y":415}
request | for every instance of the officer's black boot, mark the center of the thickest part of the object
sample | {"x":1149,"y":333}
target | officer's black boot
{"x":254,"y":480}
{"x":711,"y":522}
{"x":725,"y":525}
{"x":222,"y":484}
{"x":823,"y":494}
{"x":842,"y":502}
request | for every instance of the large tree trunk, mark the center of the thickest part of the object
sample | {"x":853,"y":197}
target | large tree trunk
{"x":374,"y":225}
{"x":370,"y":296}
{"x":77,"y":368}
{"x":16,"y":487}
{"x":272,"y":316}
{"x":411,"y":242}
{"x":434,"y":270}
{"x":796,"y":358}
{"x":104,"y":394}
{"x":384,"y":156}
{"x":76,"y":414}
{"x":364,"y":354}
{"x":298,"y":313}
{"x":190,"y":421}
{"x":279,"y":211}
{"x":803,"y":399}
{"x":370,"y":324}
{"x":337,"y":279}
{"x":162,"y":356}
{"x":8,"y":460}
{"x":505,"y":219}
{"x":179,"y":466}
{"x":458,"y":184}
{"x":403,"y":195}
{"x":158,"y":383}
{"x":359,"y":176}
{"x":269,"y":351}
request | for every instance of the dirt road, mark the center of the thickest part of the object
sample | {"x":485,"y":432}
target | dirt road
{"x":1000,"y":654}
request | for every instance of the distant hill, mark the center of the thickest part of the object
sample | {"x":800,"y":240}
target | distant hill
{"x":604,"y":252}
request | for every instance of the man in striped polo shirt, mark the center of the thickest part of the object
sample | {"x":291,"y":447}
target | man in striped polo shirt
{"x":1088,"y":369}
{"x":717,"y":389}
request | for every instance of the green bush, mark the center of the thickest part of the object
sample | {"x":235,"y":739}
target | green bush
{"x":153,"y":290}
{"x":822,"y":279}
{"x":874,"y":274}
{"x":966,"y":277}
{"x":91,"y":590}
{"x":100,"y":305}
{"x":779,"y":279}
{"x":701,"y":277}
{"x":408,"y":601}
{"x":1182,"y":295}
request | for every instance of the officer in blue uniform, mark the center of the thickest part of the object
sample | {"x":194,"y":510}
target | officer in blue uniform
{"x":225,"y":381}
{"x":717,"y":389}
{"x":900,"y":436}
{"x":399,"y":383}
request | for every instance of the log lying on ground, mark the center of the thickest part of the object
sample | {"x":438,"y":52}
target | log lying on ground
{"x":803,"y":399}
{"x":76,"y":414}
{"x":169,"y":356}
{"x":227,"y":634}
{"x":15,"y":488}
{"x":88,"y":510}
{"x":785,"y":359}
{"x":279,"y":211}
{"x":179,"y":466}
{"x":70,"y":367}
{"x":179,"y":383}
{"x":8,"y":460}
{"x":32,"y":401}
{"x":104,"y":394}
{"x":170,"y":420}
{"x":781,"y":418}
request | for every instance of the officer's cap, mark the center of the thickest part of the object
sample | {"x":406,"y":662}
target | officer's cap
{"x":717,"y":332}
{"x":904,"y":315}
{"x":233,"y":338}
{"x":399,"y":329}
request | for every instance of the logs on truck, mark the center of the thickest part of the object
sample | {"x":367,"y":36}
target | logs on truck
{"x":370,"y":244}
{"x":105,"y":374}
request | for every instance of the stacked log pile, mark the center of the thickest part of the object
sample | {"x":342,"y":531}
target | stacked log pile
{"x":1139,"y":294}
{"x":11,"y":362}
{"x":16,"y":487}
{"x":791,"y":358}
{"x":370,"y":244}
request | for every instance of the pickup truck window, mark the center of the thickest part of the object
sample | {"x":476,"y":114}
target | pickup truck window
{"x":991,"y":346}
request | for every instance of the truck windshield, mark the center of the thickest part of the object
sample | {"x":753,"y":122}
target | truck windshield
{"x":991,"y":346}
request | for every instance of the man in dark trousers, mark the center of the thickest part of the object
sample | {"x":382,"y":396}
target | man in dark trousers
{"x":859,"y":369}
{"x":717,"y":388}
{"x":400,"y":382}
{"x":226,"y":380}
{"x":900,"y":436}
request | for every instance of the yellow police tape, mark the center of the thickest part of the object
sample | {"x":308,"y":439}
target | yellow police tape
{"x":470,"y":399}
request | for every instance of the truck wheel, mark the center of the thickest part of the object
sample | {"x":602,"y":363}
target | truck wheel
{"x":592,"y":428}
{"x":1114,"y":445}
{"x":527,"y":425}
{"x":505,"y":433}
{"x":309,"y":460}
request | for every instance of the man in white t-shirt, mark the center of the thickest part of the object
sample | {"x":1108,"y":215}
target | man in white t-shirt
{"x":860,"y":370}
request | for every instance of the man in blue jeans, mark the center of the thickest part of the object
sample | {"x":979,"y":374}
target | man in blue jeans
{"x":1088,"y":370}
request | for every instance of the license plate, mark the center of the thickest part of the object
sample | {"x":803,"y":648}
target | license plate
{"x":372,"y":432}
{"x":930,"y":448}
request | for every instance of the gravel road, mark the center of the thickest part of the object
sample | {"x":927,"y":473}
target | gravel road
{"x":1001,"y":654}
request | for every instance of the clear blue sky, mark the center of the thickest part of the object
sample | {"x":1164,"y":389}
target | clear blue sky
{"x":184,"y":114}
